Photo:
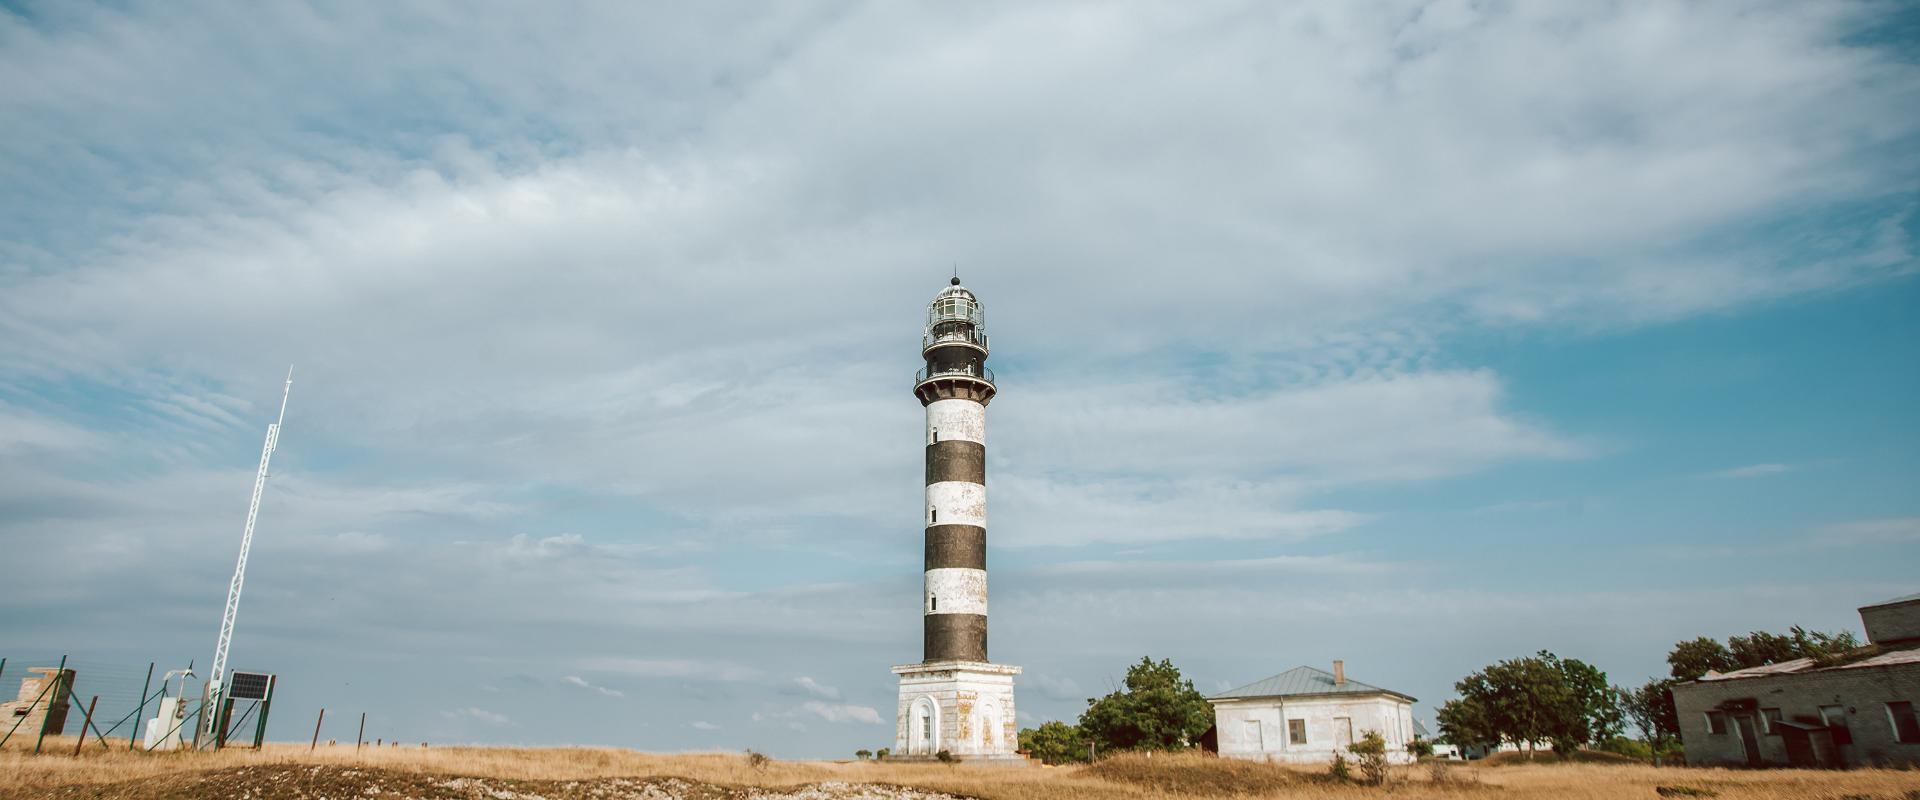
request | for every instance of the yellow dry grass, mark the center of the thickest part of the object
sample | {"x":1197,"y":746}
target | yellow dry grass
{"x":1124,"y":778}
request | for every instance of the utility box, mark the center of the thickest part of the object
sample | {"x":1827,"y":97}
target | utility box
{"x":163,"y":731}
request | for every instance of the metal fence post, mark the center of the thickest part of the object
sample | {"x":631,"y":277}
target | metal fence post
{"x":316,"y":730}
{"x":59,"y":676}
{"x":133,"y":739}
{"x":360,"y":737}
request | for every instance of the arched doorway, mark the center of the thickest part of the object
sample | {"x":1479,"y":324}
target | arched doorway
{"x":923,"y":728}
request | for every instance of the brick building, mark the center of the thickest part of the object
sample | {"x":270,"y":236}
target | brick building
{"x":1857,"y":710}
{"x":38,"y":703}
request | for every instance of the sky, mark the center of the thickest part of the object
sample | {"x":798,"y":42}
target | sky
{"x":1418,"y":335}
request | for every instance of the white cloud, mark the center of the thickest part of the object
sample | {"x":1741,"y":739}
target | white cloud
{"x":813,"y":687}
{"x":575,"y":680}
{"x":703,"y":725}
{"x":476,"y":715}
{"x":840,"y":712}
{"x":1752,"y":471}
{"x":673,"y":668}
{"x":1866,"y":532}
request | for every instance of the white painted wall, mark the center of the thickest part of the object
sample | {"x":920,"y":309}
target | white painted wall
{"x":1257,"y":728}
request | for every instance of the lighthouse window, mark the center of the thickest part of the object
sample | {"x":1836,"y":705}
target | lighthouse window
{"x":936,"y":435}
{"x":933,"y":515}
{"x":933,"y":602}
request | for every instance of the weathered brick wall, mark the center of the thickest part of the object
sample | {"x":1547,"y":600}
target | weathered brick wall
{"x":30,"y":709}
{"x":1864,"y":692}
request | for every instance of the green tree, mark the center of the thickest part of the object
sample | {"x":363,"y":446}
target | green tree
{"x":1534,"y":699}
{"x":1694,"y":658}
{"x":1054,"y":742}
{"x":1467,"y":723}
{"x":863,"y":754}
{"x":1155,"y":710}
{"x":1650,"y":709}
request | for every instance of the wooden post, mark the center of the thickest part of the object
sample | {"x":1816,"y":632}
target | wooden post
{"x":85,"y":723}
{"x":360,"y":737}
{"x":316,"y":730}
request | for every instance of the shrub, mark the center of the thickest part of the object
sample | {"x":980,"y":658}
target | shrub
{"x":757,"y":759}
{"x":863,"y":754}
{"x":882,"y":753}
{"x":1339,"y":767}
{"x":1420,"y":748}
{"x":1371,"y":754}
{"x":945,"y":757}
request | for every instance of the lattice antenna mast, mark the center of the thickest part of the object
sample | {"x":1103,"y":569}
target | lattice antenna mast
{"x":217,"y":677}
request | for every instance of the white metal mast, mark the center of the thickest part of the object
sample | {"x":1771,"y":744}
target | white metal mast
{"x":216,"y":677}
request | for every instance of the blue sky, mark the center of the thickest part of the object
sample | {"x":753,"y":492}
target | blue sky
{"x":1419,"y":335}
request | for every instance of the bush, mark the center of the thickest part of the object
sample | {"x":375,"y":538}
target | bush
{"x":882,"y":753}
{"x":1371,"y":754}
{"x":1420,"y":748}
{"x":757,"y":759}
{"x":945,"y":757}
{"x":863,"y":754}
{"x":1339,"y":767}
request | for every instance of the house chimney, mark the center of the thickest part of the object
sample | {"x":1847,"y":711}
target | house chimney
{"x":1339,"y":672}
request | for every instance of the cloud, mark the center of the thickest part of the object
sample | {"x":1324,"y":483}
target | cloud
{"x":840,"y":712}
{"x":703,"y":725}
{"x":1868,"y":532}
{"x":476,"y":715}
{"x":813,"y":687}
{"x":575,"y":680}
{"x":1752,"y":471}
{"x":693,"y":669}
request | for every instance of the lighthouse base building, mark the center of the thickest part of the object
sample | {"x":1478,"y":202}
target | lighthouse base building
{"x":955,"y":701}
{"x":962,"y":707}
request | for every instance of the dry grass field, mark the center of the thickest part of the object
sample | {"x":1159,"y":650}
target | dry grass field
{"x":606,"y":774}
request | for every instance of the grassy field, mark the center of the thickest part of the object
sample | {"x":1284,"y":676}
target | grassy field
{"x":290,"y":771}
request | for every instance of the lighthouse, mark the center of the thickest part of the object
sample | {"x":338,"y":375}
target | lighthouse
{"x":955,"y":700}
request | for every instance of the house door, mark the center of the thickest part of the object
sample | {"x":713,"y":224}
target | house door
{"x":1342,"y":733}
{"x":1748,"y":742}
{"x":1255,"y":742}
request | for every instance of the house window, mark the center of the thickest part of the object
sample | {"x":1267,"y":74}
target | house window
{"x":1770,"y":721}
{"x":1906,"y":728}
{"x":1717,"y":722}
{"x":1297,"y":731}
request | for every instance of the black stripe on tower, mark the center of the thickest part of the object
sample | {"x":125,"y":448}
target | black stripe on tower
{"x":957,"y":460}
{"x":956,"y":546}
{"x":956,"y":637}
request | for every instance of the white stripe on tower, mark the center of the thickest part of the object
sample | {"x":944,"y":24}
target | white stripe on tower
{"x":962,"y":420}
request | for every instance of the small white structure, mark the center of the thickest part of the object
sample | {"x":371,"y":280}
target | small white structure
{"x":1305,"y":715}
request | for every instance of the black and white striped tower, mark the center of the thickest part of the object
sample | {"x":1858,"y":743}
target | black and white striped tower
{"x":955,"y":700}
{"x":955,"y":386}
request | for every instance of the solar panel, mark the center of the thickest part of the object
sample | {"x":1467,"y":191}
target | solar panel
{"x":250,"y":686}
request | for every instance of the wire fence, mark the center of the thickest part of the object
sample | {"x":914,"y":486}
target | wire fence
{"x":50,"y":701}
{"x":103,"y":703}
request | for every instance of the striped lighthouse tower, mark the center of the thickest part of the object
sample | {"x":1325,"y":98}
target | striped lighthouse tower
{"x":954,"y":699}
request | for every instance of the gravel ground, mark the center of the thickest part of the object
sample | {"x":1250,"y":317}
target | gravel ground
{"x":301,"y":782}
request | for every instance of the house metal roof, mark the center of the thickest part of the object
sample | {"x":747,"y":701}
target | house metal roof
{"x":1302,"y":681}
{"x":1895,"y":601}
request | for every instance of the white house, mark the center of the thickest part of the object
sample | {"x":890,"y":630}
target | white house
{"x":1305,"y":715}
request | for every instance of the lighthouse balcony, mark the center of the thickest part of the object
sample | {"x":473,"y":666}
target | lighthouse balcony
{"x":969,"y":381}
